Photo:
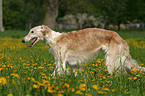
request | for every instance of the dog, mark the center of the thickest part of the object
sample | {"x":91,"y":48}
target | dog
{"x":76,"y":47}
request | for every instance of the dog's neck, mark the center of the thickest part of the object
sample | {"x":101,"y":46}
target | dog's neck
{"x":51,"y":38}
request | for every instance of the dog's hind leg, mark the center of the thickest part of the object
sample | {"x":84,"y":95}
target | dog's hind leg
{"x":115,"y":57}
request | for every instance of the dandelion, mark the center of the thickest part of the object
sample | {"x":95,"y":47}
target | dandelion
{"x":73,"y":89}
{"x":15,"y":75}
{"x":28,"y":95}
{"x":87,"y":94}
{"x":3,"y":80}
{"x":107,"y":81}
{"x":130,"y":78}
{"x":121,"y":87}
{"x":67,"y":85}
{"x":95,"y":87}
{"x":35,"y":86}
{"x":106,"y":89}
{"x":82,"y":87}
{"x":138,"y":75}
{"x":40,"y":67}
{"x":100,"y":92}
{"x":50,"y":90}
{"x":79,"y":92}
{"x":57,"y":88}
{"x":142,"y":64}
{"x":138,"y":69}
{"x":60,"y":95}
{"x":134,"y":78}
{"x":126,"y":92}
{"x":103,"y":77}
{"x":113,"y":90}
{"x":10,"y":95}
{"x":132,"y":69}
{"x":13,"y":82}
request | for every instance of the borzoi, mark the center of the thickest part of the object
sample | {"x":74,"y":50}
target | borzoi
{"x":81,"y":46}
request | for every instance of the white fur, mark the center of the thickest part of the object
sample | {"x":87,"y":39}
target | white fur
{"x":116,"y":49}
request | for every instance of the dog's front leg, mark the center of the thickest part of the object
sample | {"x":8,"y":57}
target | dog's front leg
{"x":60,"y":60}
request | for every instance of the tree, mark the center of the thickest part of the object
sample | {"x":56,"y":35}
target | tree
{"x":23,"y":14}
{"x":1,"y":17}
{"x":113,"y":11}
{"x":51,"y":13}
{"x":136,"y":10}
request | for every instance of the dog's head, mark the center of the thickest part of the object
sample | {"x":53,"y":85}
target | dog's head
{"x":37,"y":33}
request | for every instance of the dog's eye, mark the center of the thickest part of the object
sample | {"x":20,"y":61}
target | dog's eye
{"x":32,"y":31}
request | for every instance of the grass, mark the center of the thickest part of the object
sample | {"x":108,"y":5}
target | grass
{"x":26,"y":71}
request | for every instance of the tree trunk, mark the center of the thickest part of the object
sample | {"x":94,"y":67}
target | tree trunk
{"x":118,"y":24}
{"x":51,"y":14}
{"x":1,"y":17}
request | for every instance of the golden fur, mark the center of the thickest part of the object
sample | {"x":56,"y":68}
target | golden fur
{"x":80,"y":46}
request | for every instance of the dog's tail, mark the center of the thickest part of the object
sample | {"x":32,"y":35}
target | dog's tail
{"x":118,"y":56}
{"x":134,"y":66}
{"x":131,"y":63}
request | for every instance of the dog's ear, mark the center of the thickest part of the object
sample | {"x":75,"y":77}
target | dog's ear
{"x":45,"y":29}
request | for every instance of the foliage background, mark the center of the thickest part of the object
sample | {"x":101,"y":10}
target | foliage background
{"x":23,"y":14}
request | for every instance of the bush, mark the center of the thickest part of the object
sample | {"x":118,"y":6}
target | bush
{"x":82,"y":20}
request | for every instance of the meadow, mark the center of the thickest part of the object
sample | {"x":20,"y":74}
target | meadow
{"x":27,"y":71}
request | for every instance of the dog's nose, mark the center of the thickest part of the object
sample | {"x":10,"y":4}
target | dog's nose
{"x":23,"y":41}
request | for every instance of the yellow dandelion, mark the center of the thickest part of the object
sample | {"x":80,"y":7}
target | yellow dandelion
{"x":3,"y":80}
{"x":132,"y":69}
{"x":35,"y":86}
{"x":106,"y":89}
{"x":50,"y":90}
{"x":92,"y":72}
{"x":73,"y":89}
{"x":10,"y":95}
{"x":126,"y":92}
{"x":82,"y":87}
{"x":67,"y":85}
{"x":28,"y":78}
{"x":40,"y":67}
{"x":100,"y":92}
{"x":82,"y":71}
{"x":134,"y":78}
{"x":60,"y":95}
{"x":79,"y":92}
{"x":95,"y":87}
{"x":142,"y":64}
{"x":138,"y":69}
{"x":138,"y":75}
{"x":13,"y":81}
{"x":130,"y":78}
{"x":87,"y":94}
{"x":113,"y":90}
{"x":62,"y":91}
{"x":103,"y":77}
{"x":28,"y":95}
{"x":15,"y":75}
{"x":107,"y":81}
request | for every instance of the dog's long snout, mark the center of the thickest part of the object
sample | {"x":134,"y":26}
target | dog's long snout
{"x":23,"y":41}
